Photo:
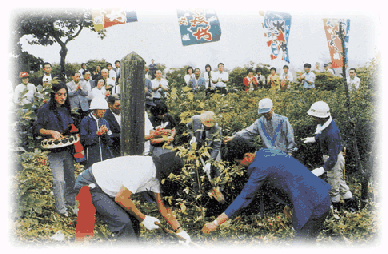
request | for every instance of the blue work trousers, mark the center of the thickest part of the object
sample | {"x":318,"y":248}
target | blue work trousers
{"x":62,"y":167}
{"x":124,"y":226}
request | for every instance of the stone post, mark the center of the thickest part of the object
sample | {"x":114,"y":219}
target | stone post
{"x":132,"y":105}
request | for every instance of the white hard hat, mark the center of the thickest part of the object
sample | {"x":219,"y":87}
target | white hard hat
{"x":265,"y":105}
{"x":319,"y":109}
{"x":99,"y":103}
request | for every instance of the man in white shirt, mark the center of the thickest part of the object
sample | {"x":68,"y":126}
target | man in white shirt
{"x":317,"y":67}
{"x":112,"y":184}
{"x":220,"y":79}
{"x":110,"y":83}
{"x":308,"y":77}
{"x":352,"y":80}
{"x":117,"y":70}
{"x":330,"y":67}
{"x":285,"y":78}
{"x":159,"y":85}
{"x":326,"y":69}
{"x":112,"y":73}
{"x":90,"y":84}
{"x":28,"y":97}
{"x":47,"y":76}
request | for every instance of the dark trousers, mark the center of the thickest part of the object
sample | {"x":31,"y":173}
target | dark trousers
{"x":311,"y":229}
{"x":124,"y":226}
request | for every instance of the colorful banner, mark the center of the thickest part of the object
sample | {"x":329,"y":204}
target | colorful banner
{"x":334,"y":42}
{"x":277,"y":28}
{"x":198,"y":26}
{"x":103,"y":18}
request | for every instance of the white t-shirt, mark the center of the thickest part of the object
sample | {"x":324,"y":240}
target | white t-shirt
{"x":289,"y":76}
{"x":135,"y":172}
{"x":28,"y":96}
{"x":147,"y":128}
{"x":98,"y":92}
{"x":187,"y":78}
{"x":356,"y":82}
{"x":112,"y":74}
{"x":224,"y":76}
{"x":156,"y":83}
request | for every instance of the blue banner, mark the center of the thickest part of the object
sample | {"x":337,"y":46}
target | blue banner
{"x":198,"y":26}
{"x":277,"y":28}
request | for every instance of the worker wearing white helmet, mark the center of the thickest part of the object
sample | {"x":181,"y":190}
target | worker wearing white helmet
{"x":95,"y":133}
{"x":328,"y":136}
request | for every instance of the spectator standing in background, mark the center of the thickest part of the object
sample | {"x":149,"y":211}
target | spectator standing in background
{"x":285,"y":78}
{"x":198,"y":82}
{"x":78,"y":96}
{"x":96,"y":72}
{"x":100,"y":90}
{"x":152,"y":69}
{"x":30,"y":89}
{"x":159,"y":86}
{"x":208,"y":79}
{"x":274,"y":80}
{"x":352,"y":80}
{"x":189,"y":75}
{"x":117,"y":70}
{"x":47,"y":76}
{"x":82,"y":71}
{"x":308,"y":77}
{"x":113,"y":117}
{"x":260,"y":78}
{"x":220,"y":79}
{"x":250,"y":81}
{"x":112,"y":73}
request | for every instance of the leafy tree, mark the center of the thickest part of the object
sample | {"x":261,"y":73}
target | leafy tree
{"x":22,"y":61}
{"x":53,"y":26}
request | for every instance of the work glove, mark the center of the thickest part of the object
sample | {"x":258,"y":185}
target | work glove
{"x":318,"y":171}
{"x":185,"y":236}
{"x":149,"y":222}
{"x":207,"y":169}
{"x":193,"y":140}
{"x":309,"y":140}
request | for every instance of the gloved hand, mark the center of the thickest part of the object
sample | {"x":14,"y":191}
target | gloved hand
{"x":193,"y":140}
{"x":185,"y":236}
{"x":318,"y":171}
{"x":207,"y":169}
{"x":149,"y":222}
{"x":309,"y":140}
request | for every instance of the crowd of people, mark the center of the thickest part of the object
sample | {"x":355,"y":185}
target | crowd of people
{"x":113,"y":179}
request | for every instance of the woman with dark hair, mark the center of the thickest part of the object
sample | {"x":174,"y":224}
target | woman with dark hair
{"x":52,"y":122}
{"x":250,"y":81}
{"x":208,"y":77}
{"x":189,"y":75}
{"x":164,"y":124}
{"x":100,"y":90}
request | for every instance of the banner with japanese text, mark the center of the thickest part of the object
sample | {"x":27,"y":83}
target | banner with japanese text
{"x":277,"y":29}
{"x":332,"y":30}
{"x":198,"y":26}
{"x":103,"y":18}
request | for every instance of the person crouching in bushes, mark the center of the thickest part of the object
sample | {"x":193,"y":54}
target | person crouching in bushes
{"x":164,"y":124}
{"x":95,"y":133}
{"x":205,"y":132}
